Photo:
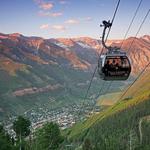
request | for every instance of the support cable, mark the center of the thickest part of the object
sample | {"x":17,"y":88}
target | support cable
{"x":137,"y":9}
{"x":88,"y":89}
{"x":142,"y":72}
{"x":139,"y":29}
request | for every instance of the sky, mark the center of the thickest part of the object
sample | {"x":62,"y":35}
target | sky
{"x":71,"y":18}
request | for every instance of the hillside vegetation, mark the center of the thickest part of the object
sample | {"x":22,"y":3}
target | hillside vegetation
{"x":119,"y":127}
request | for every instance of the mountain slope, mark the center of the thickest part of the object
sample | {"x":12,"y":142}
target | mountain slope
{"x":31,"y":64}
{"x":115,"y":127}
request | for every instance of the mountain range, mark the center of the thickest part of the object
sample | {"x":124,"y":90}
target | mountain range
{"x":33,"y":69}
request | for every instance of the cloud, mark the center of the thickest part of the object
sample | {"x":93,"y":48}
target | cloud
{"x":87,"y":19}
{"x":49,"y":14}
{"x":58,"y":27}
{"x":46,"y":5}
{"x":44,"y":26}
{"x":42,"y":13}
{"x":56,"y":14}
{"x":72,"y":21}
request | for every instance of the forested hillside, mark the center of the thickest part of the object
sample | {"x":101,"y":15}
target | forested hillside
{"x":125,"y":125}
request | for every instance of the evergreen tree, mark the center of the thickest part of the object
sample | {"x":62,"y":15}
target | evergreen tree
{"x":48,"y":137}
{"x":22,"y":128}
{"x":5,"y":142}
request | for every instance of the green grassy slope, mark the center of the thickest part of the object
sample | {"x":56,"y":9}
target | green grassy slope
{"x":108,"y":99}
{"x":114,"y":127}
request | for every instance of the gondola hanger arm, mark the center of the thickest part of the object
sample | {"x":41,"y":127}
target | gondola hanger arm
{"x":106,"y":24}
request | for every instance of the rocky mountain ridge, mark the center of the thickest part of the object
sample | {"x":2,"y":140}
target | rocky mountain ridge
{"x":78,"y":53}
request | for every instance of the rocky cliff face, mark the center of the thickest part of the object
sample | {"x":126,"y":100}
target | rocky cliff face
{"x":78,"y":53}
{"x":19,"y":48}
